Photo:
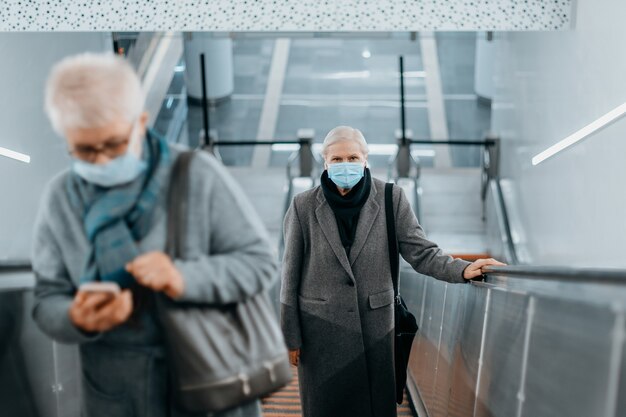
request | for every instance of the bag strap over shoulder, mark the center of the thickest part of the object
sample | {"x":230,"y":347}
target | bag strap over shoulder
{"x":177,"y":202}
{"x":392,"y":238}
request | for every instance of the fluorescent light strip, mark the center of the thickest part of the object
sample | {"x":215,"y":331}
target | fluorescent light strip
{"x":591,"y":128}
{"x":14,"y":155}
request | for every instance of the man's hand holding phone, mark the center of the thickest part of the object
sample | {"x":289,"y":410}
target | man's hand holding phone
{"x":100,"y":306}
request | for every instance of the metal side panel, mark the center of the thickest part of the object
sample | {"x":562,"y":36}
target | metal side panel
{"x":451,"y":325}
{"x":425,"y":351}
{"x":503,"y":353}
{"x":569,"y":360}
{"x":465,"y":360}
{"x":26,"y":361}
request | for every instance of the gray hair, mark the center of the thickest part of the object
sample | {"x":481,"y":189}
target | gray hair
{"x":341,"y":133}
{"x":91,"y":90}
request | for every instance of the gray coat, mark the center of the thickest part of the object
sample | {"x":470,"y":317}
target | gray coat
{"x":339,"y":310}
{"x":124,"y":370}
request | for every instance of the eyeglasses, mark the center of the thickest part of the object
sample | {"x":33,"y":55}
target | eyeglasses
{"x":111,"y":148}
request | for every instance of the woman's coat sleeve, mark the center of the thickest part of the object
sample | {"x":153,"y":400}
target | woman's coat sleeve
{"x":54,"y":291}
{"x":422,"y":254}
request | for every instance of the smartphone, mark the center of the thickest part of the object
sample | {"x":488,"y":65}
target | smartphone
{"x":101,"y":287}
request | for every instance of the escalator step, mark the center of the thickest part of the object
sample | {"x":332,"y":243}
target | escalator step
{"x":286,"y":402}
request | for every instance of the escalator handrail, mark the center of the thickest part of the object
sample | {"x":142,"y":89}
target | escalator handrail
{"x":13,"y":266}
{"x":560,"y":273}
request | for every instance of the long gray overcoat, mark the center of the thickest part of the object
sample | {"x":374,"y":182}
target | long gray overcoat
{"x":339,"y":310}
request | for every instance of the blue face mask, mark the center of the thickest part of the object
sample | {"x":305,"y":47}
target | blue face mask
{"x":346,"y":174}
{"x":121,"y":170}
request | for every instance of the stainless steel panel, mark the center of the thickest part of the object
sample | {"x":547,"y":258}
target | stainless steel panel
{"x":549,"y":348}
{"x":26,"y":360}
{"x":503,"y":355}
{"x":464,"y":368}
{"x":37,"y":377}
{"x":425,"y":357}
{"x":449,"y":348}
{"x":568,"y":363}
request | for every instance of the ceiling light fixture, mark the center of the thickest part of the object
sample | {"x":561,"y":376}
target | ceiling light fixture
{"x":14,"y":155}
{"x":581,"y":134}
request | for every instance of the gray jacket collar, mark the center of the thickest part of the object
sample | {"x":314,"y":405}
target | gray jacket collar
{"x":328,"y":223}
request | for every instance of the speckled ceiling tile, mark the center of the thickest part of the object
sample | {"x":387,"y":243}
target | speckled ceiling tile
{"x":284,"y":15}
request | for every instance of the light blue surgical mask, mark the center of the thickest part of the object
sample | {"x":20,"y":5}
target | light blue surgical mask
{"x":346,"y":174}
{"x":118,"y":171}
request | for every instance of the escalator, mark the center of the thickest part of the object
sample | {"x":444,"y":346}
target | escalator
{"x":525,"y":341}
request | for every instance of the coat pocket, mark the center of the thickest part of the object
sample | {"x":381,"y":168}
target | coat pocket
{"x":312,"y":300}
{"x":381,"y":299}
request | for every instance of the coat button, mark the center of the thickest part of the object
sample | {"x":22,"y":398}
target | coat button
{"x":350,"y":283}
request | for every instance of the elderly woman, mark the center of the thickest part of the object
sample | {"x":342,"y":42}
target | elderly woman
{"x":337,"y":293}
{"x":104,"y":219}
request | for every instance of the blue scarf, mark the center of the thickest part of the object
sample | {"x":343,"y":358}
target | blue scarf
{"x":116,"y":218}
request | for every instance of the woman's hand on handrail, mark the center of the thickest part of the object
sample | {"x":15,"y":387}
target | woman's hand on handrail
{"x":475,"y":269}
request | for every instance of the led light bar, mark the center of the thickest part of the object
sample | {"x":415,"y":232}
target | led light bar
{"x":14,"y":155}
{"x":588,"y":130}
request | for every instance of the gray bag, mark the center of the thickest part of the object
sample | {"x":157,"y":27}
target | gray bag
{"x":219,"y":356}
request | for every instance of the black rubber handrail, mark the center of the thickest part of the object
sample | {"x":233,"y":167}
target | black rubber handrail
{"x":551,"y":273}
{"x":563,"y":274}
{"x":12,"y":266}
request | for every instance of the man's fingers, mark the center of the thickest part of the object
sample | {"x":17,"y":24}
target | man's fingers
{"x":146,"y":259}
{"x":94,"y":301}
{"x":80,"y":298}
{"x":152,"y":280}
{"x":115,"y":312}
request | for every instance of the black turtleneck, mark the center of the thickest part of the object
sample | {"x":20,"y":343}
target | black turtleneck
{"x":347,"y":208}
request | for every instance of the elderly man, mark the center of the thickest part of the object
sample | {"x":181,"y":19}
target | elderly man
{"x":103,"y":221}
{"x":337,"y":293}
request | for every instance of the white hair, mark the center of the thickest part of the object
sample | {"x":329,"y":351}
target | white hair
{"x":341,"y":133}
{"x":91,"y":90}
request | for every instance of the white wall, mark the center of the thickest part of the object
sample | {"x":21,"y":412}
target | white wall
{"x":25,"y":59}
{"x":548,"y":85}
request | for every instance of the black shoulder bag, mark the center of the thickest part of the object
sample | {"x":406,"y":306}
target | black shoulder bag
{"x":405,"y":323}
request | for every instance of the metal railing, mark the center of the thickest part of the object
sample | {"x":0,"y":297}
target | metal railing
{"x":13,"y":266}
{"x":529,"y":340}
{"x":561,"y":274}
